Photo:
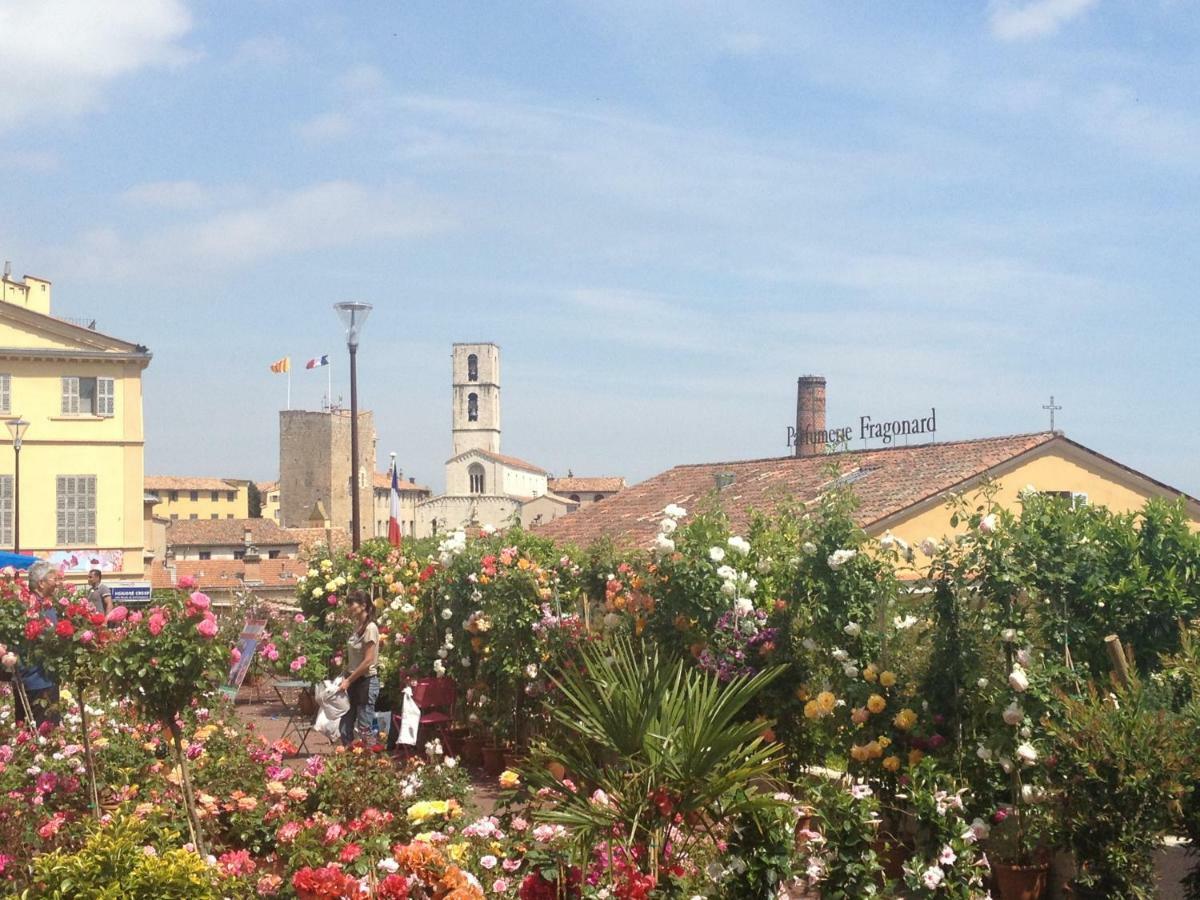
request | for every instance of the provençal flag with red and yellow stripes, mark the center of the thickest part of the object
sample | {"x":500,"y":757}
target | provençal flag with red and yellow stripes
{"x":283,"y":365}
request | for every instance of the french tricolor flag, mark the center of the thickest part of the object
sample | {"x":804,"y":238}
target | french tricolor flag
{"x":316,"y":362}
{"x":394,"y":511}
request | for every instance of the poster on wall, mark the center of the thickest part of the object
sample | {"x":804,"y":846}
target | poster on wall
{"x":83,"y":561}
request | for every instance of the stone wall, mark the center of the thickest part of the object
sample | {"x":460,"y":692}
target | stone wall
{"x":314,"y":464}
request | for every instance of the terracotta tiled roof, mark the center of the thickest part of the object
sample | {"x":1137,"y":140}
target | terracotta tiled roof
{"x":226,"y":532}
{"x":586,"y":485}
{"x":309,"y":538}
{"x":227,"y":574}
{"x":188,"y":483}
{"x":265,"y":487}
{"x":384,"y":480}
{"x":510,"y":461}
{"x":886,"y":481}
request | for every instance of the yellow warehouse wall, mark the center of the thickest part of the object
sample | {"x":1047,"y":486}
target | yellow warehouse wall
{"x":1059,"y":467}
{"x":204,"y":507}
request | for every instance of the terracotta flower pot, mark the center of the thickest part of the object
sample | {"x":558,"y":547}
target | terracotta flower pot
{"x":893,"y":853}
{"x":307,"y":702}
{"x":557,"y":769}
{"x":493,"y":760}
{"x":1020,"y":882}
{"x":472,"y":750}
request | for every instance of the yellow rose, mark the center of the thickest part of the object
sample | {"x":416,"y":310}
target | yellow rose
{"x":826,"y":702}
{"x":859,"y":715}
{"x":914,"y":757}
{"x":870,"y":673}
{"x":811,"y":710}
{"x":905,"y":719}
{"x":874,"y":751}
{"x":858,"y":754}
{"x":876,"y":704}
{"x":509,"y":779}
{"x":885,"y":741}
{"x":892,"y":763}
{"x":887,"y":679}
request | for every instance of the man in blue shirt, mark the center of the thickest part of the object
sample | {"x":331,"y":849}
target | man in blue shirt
{"x":40,"y":691}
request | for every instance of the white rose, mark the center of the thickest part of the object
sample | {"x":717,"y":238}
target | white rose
{"x":729,"y":573}
{"x":809,"y":547}
{"x":1013,"y":714}
{"x":983,"y":752}
{"x":1027,"y":753}
{"x":839,"y":558}
{"x":439,"y":667}
{"x":853,"y":629}
{"x":465,"y":662}
{"x":743,"y":606}
{"x":388,"y":865}
{"x":850,"y":670}
{"x":887,"y":541}
{"x":667,"y":526}
{"x":1006,"y":764}
{"x":929,"y":546}
{"x":739,"y":545}
{"x":664,"y":544}
{"x":809,"y":644}
{"x":1024,"y":657}
{"x":1009,"y":635}
{"x":675,"y":512}
{"x":531,"y":670}
{"x":728,"y":588}
{"x":1018,"y":680}
{"x":447,"y":614}
{"x":981,"y":829}
{"x":395,"y":605}
{"x":407,"y":608}
{"x":716,"y":554}
{"x":981,"y":683}
{"x":839,"y":654}
{"x":988,"y":523}
{"x":763,"y":566}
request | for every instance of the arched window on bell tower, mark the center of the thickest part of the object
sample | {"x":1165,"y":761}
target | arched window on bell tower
{"x":472,"y":407}
{"x":475,"y":473}
{"x":472,"y":368}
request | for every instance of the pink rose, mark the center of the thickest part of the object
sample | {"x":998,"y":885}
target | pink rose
{"x":298,"y":663}
{"x":186,"y":583}
{"x":235,"y":655}
{"x":118,"y":614}
{"x":299,"y":617}
{"x":198,"y":600}
{"x":135,"y":617}
{"x":87,"y":637}
{"x":500,"y":885}
{"x":208,"y":627}
{"x":156,"y":623}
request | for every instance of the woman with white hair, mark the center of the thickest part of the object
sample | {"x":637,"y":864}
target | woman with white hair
{"x":41,"y":693}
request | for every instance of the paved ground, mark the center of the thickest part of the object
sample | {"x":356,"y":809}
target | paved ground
{"x":270,"y":718}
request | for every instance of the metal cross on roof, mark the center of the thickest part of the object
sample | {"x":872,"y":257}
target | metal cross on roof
{"x":1052,"y":409}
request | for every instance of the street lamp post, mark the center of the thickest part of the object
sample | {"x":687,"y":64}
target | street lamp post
{"x":16,"y":427}
{"x":353,"y":314}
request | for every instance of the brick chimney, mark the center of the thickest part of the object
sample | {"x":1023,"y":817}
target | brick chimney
{"x":810,"y":414}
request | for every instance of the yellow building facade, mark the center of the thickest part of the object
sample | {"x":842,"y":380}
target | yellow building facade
{"x":186,"y":497}
{"x":81,"y":459}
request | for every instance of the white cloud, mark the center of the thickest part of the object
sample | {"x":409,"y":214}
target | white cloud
{"x":59,"y":55}
{"x":169,"y":195}
{"x":1011,"y":21}
{"x":320,"y":216}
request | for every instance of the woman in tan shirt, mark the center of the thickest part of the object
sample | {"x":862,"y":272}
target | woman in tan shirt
{"x":361,"y":681}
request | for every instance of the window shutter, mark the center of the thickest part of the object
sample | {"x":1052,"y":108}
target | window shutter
{"x":6,"y":509}
{"x":105,"y":396}
{"x":70,"y":395}
{"x":6,"y":393}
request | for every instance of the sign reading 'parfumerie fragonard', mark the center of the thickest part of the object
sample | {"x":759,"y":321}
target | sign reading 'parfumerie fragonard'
{"x":868,"y":429}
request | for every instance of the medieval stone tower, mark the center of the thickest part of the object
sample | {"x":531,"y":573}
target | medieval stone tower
{"x":314,"y":465}
{"x":476,"y":397}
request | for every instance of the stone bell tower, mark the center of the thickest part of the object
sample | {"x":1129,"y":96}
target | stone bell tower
{"x":476,"y":397}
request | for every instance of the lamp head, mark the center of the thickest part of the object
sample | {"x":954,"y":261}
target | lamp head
{"x":353,"y":314}
{"x":17,"y":427}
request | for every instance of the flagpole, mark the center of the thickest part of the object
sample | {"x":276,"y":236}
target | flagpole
{"x":329,"y":386}
{"x":289,"y":389}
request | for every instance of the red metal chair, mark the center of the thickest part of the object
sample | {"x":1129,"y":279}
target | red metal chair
{"x":436,"y":698}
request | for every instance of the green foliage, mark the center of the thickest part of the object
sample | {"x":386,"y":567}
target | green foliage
{"x":843,"y":859}
{"x":762,"y":844}
{"x":658,"y":739}
{"x":125,"y":860}
{"x":947,"y":861}
{"x":1119,"y":767}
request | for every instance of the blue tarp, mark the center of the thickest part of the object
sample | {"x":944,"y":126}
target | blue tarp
{"x":16,"y":560}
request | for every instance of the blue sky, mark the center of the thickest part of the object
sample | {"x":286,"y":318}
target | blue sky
{"x":663,"y":212}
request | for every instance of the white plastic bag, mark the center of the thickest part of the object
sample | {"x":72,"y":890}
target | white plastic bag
{"x":410,"y":719}
{"x":332,"y":704}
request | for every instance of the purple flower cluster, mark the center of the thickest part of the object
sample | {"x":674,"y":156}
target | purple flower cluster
{"x":736,"y":644}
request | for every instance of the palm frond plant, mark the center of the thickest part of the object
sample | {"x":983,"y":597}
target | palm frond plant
{"x":661,"y":754}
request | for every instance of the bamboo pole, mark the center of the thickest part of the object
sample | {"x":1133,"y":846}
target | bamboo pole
{"x":1116,"y":654}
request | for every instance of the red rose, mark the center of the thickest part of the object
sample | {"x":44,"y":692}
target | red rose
{"x":33,"y":628}
{"x":64,"y":629}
